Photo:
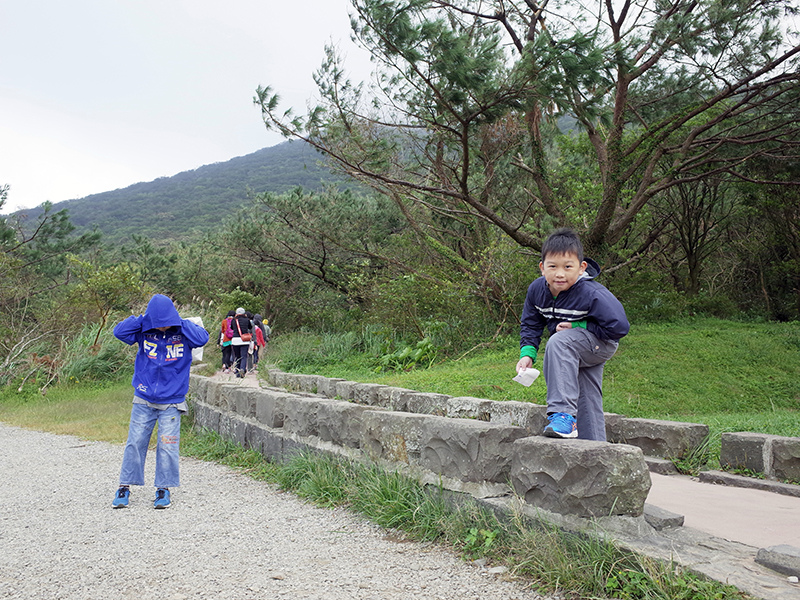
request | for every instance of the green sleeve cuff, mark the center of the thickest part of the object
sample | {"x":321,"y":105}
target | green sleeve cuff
{"x":581,"y":324}
{"x":528,"y":351}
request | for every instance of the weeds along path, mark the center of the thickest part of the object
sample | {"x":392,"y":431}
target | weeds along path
{"x":225,"y":536}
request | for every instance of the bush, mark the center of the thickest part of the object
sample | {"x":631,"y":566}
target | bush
{"x":84,"y":361}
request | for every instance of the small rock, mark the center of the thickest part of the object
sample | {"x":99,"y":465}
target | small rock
{"x":793,"y":579}
{"x":498,"y":570}
{"x":480,"y":562}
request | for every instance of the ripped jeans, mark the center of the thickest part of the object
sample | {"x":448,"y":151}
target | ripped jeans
{"x":143,"y":420}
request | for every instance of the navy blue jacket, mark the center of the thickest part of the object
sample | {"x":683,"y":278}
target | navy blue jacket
{"x":586,"y":301}
{"x":161,"y":369}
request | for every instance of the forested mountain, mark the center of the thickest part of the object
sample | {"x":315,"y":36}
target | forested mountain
{"x":190,"y":203}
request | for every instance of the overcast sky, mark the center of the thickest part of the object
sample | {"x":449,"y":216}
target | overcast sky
{"x":97,"y":95}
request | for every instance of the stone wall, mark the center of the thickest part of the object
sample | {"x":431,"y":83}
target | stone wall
{"x":468,"y":445}
{"x":775,"y":456}
{"x":658,"y":439}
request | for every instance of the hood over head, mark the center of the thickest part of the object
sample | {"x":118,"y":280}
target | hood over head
{"x":161,"y":312}
{"x":592,"y":269}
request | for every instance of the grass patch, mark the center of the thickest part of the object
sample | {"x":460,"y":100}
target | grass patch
{"x":98,"y":412}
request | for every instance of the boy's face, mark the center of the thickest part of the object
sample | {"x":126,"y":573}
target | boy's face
{"x":561,"y":271}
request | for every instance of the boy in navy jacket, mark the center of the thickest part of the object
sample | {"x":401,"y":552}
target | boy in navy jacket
{"x":585,"y":322}
{"x":160,"y":382}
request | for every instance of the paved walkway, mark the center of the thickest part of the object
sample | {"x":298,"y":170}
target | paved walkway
{"x":753,"y":517}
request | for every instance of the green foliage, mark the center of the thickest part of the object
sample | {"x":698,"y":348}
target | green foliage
{"x":408,"y":357}
{"x":238,"y":298}
{"x":694,"y":461}
{"x":479,"y":542}
{"x":105,"y":288}
{"x":320,"y":478}
{"x":301,"y":350}
{"x":96,"y":365}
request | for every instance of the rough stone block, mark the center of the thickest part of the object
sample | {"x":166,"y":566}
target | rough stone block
{"x":302,"y":415}
{"x":339,"y":422}
{"x":427,"y":404}
{"x":467,"y":407}
{"x":272,"y":445}
{"x":244,"y":401}
{"x":253,"y":437}
{"x":366,"y":393}
{"x":783,"y":559}
{"x":659,"y":519}
{"x":531,"y":417}
{"x":326,"y":386}
{"x":205,"y":417}
{"x":272,"y":374}
{"x":662,"y":466}
{"x":743,"y":450}
{"x":198,"y":385}
{"x":212,"y":393}
{"x":344,"y":389}
{"x":290,"y":382}
{"x":279,"y":378}
{"x":468,"y":450}
{"x":270,"y":407}
{"x":662,"y":439}
{"x":786,"y":458}
{"x":306,"y":383}
{"x":389,"y":397}
{"x":238,"y":431}
{"x":393,"y":436}
{"x":225,"y":399}
{"x":580,"y":477}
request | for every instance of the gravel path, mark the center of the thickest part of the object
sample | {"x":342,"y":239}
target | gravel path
{"x":225,"y":536}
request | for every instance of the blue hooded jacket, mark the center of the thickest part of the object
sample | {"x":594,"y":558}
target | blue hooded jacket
{"x":586,"y":301}
{"x":161,"y":369}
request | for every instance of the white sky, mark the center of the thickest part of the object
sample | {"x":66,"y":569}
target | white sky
{"x":97,"y":95}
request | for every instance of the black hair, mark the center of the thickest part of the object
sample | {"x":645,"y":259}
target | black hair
{"x":563,"y":241}
{"x":231,"y":313}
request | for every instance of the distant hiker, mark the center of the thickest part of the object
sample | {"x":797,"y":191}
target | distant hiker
{"x":241,"y":341}
{"x":225,"y":336}
{"x":261,"y":338}
{"x":585,"y":322}
{"x":160,"y":382}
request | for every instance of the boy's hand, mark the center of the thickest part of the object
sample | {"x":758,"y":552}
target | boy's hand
{"x":563,"y":326}
{"x":524,"y":363}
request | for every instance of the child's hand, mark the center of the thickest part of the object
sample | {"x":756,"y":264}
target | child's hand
{"x":563,"y":326}
{"x":524,"y":363}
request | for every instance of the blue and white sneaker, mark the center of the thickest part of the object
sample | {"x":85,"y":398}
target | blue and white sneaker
{"x":162,"y":498}
{"x":121,"y":498}
{"x":561,"y":425}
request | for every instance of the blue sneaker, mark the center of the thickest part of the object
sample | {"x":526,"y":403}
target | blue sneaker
{"x":561,"y":425}
{"x":121,"y":498}
{"x":162,"y":498}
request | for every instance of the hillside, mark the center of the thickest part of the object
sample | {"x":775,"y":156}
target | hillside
{"x":187,"y":204}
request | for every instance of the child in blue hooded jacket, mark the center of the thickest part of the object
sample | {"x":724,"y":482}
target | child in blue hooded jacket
{"x":585,"y":322}
{"x":160,"y":383}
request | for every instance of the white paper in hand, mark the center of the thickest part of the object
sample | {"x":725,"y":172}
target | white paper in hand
{"x":526,"y":377}
{"x":197,"y":353}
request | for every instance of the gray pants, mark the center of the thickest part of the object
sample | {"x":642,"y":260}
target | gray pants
{"x":573,"y":371}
